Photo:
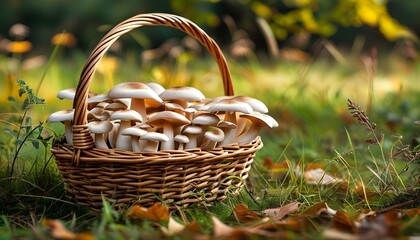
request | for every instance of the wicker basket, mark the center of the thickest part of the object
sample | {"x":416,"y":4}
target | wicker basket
{"x":175,"y":177}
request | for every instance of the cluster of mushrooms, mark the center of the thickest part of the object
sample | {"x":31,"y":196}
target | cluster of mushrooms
{"x":146,"y":117}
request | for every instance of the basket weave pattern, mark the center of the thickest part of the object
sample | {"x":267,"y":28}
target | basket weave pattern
{"x":176,"y":177}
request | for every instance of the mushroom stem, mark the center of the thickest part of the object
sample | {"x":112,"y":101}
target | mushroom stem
{"x":138,"y":105}
{"x":193,"y":141}
{"x":169,"y":132}
{"x":135,"y":144}
{"x":151,"y":146}
{"x":100,"y":141}
{"x":68,"y":132}
{"x":230,"y":135}
{"x":249,"y":135}
{"x":123,"y":142}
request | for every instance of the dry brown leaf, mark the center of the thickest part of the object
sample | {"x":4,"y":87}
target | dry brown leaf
{"x":338,"y":235}
{"x":59,"y":231}
{"x":342,"y":221}
{"x":275,"y":167}
{"x":319,"y":176}
{"x":243,"y":214}
{"x":317,"y":209}
{"x":173,"y":227}
{"x":365,"y":193}
{"x":412,"y":212}
{"x":155,"y":213}
{"x":220,"y":229}
{"x":280,"y":212}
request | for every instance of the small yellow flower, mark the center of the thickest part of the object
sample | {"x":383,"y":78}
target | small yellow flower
{"x":64,"y":39}
{"x":19,"y":46}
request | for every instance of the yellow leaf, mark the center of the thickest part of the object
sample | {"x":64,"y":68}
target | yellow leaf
{"x":64,"y":39}
{"x":392,"y":30}
{"x":261,"y":9}
{"x":19,"y":46}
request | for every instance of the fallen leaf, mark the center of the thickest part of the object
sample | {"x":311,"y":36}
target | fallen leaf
{"x":173,"y":227}
{"x":365,"y":193}
{"x":220,"y":229}
{"x":59,"y":231}
{"x":280,"y":212}
{"x":338,"y":235}
{"x":223,"y":231}
{"x":319,"y":176}
{"x":413,"y":212}
{"x":342,"y":221}
{"x":275,"y":167}
{"x":318,"y":209}
{"x":243,"y":214}
{"x":155,"y":213}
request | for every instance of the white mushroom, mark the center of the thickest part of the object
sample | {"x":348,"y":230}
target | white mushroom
{"x":204,"y":120}
{"x":258,"y":120}
{"x":98,"y":113}
{"x":256,"y":105}
{"x":156,"y":87}
{"x":113,"y":135}
{"x":67,"y":94}
{"x":153,"y":139}
{"x":138,"y":92}
{"x":65,"y":116}
{"x":182,"y":140}
{"x":182,"y":95}
{"x":230,"y":107}
{"x":212,"y":136}
{"x":168,"y":121}
{"x":135,"y":133}
{"x":125,"y":117}
{"x":192,"y":132}
{"x":100,"y":128}
{"x":230,"y":133}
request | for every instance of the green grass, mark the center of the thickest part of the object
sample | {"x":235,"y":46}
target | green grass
{"x":309,"y":100}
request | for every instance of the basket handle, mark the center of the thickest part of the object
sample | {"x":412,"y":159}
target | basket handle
{"x":81,"y":135}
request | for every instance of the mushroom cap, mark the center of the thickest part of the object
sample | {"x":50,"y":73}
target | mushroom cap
{"x":62,"y":115}
{"x":133,"y":90}
{"x":100,"y":127}
{"x":156,"y":87}
{"x":174,"y":118}
{"x":173,"y":106}
{"x":125,"y":115}
{"x":206,"y":119}
{"x":99,"y":98}
{"x":189,"y":94}
{"x":67,"y":93}
{"x":115,"y":106}
{"x":191,"y":129}
{"x":230,"y":105}
{"x":133,"y":131}
{"x":256,"y":104}
{"x":181,"y":138}
{"x":154,"y":136}
{"x":214,"y":134}
{"x":261,"y":118}
{"x":189,"y":110}
{"x":99,"y":113}
{"x":226,"y":124}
